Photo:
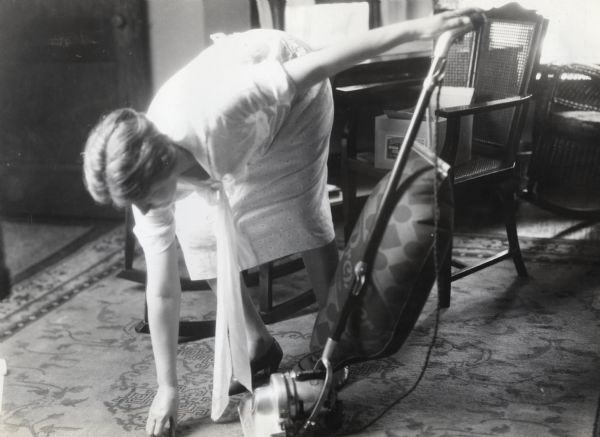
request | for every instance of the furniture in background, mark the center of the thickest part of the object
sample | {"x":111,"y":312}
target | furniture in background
{"x":499,"y":62}
{"x":360,"y":94}
{"x":4,"y":273}
{"x":564,"y":166}
{"x":503,"y":63}
{"x":63,"y":65}
{"x":262,"y":277}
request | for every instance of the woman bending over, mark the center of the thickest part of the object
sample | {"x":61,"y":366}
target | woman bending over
{"x":230,"y":158}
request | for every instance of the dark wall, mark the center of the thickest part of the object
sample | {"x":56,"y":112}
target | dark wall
{"x":63,"y":63}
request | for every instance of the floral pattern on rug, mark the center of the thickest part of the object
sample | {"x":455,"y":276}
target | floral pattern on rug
{"x":512,"y":357}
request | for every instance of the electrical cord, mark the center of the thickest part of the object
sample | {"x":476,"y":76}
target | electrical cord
{"x":412,"y":388}
{"x":433,"y":142}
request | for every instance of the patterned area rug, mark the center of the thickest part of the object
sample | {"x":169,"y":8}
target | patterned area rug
{"x":512,"y":357}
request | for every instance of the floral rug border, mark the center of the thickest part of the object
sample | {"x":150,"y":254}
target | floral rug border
{"x":39,"y":294}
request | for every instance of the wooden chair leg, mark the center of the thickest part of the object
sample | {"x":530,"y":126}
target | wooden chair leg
{"x":349,"y":204}
{"x":509,"y":208}
{"x":348,"y":193}
{"x":195,"y":330}
{"x":4,"y":273}
{"x":444,"y":280}
{"x":269,"y":312}
{"x":348,"y":177}
{"x":4,"y":283}
{"x":265,"y":284}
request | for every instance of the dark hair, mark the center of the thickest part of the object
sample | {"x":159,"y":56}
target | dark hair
{"x":123,"y":156}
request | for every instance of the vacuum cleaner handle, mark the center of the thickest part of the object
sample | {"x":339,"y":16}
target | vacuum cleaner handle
{"x":433,"y":79}
{"x":446,"y":39}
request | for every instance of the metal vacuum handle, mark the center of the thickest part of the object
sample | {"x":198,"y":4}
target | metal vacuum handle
{"x":446,"y":39}
{"x":434,"y":78}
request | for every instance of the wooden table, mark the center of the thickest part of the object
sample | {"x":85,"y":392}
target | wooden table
{"x":402,"y":67}
{"x":363,"y":90}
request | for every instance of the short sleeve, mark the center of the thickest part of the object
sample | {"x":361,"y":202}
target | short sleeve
{"x":155,"y":231}
{"x":167,"y":110}
{"x":250,"y":115}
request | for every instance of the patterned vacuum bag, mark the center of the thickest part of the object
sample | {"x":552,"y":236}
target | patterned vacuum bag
{"x":404,"y":268}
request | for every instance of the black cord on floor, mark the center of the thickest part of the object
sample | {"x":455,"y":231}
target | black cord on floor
{"x":412,"y":388}
{"x":433,"y":141}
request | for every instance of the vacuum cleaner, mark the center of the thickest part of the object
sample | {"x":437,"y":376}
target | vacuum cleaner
{"x":383,"y":280}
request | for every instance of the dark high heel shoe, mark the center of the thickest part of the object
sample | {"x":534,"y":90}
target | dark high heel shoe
{"x":340,"y":375}
{"x":261,"y":368}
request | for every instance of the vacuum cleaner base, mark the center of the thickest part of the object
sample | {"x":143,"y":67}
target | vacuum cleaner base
{"x":282,"y":408}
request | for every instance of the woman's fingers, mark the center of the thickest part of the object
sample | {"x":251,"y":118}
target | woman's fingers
{"x":435,"y":25}
{"x":162,"y":411}
{"x":458,"y":21}
{"x":156,"y":426}
{"x":466,"y":16}
{"x":459,"y":18}
{"x":151,"y":426}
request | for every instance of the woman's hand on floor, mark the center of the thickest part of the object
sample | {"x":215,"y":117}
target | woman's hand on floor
{"x":163,"y":411}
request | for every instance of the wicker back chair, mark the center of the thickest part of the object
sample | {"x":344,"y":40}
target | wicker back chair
{"x":564,"y":168}
{"x":499,"y":62}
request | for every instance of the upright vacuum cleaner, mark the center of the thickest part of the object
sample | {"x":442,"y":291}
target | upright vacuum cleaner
{"x":384,"y":277}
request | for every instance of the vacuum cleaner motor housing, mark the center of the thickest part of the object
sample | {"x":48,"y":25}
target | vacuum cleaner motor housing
{"x":281,"y":408}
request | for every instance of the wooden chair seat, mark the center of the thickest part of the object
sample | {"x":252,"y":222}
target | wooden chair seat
{"x":478,"y":166}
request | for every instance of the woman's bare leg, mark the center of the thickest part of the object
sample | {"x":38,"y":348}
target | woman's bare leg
{"x":321,"y":264}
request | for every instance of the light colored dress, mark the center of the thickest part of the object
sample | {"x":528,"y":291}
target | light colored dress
{"x":236,"y":110}
{"x":265,"y":147}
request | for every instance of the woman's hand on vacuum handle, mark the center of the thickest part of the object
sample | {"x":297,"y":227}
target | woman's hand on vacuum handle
{"x":163,"y":411}
{"x":435,"y":25}
{"x":305,"y":71}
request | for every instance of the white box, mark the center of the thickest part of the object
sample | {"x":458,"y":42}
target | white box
{"x":391,"y":128}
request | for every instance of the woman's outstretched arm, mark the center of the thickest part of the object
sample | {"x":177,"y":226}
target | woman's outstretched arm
{"x":316,"y":66}
{"x":163,"y":294}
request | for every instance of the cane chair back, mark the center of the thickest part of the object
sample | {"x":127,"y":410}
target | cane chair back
{"x":499,"y":62}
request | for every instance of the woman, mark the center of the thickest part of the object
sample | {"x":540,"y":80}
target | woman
{"x":231,"y":157}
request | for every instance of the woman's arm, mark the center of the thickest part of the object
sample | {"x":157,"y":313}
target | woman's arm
{"x":163,"y":294}
{"x":316,"y":66}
